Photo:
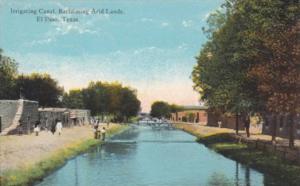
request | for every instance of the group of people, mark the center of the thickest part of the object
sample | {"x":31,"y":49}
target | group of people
{"x":98,"y":131}
{"x":57,"y":127}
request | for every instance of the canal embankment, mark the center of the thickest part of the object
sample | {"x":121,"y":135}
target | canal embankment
{"x":27,"y":158}
{"x":262,"y":155}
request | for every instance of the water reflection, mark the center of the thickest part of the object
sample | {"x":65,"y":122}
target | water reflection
{"x":143,"y":156}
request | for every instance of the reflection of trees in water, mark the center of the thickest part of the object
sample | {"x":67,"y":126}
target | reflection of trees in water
{"x":236,"y":181}
{"x":120,"y":149}
{"x":243,"y":178}
{"x":275,"y":181}
{"x":247,"y":176}
{"x":128,"y":134}
{"x":114,"y":150}
{"x":219,"y":179}
{"x":76,"y":172}
{"x":116,"y":146}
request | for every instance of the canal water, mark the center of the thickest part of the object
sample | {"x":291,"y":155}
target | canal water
{"x":147,"y":156}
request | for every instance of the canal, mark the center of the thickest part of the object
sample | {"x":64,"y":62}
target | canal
{"x":146,"y":156}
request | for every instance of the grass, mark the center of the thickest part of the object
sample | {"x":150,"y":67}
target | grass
{"x":271,"y":164}
{"x":29,"y":174}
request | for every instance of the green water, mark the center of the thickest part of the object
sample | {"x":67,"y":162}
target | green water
{"x":145,"y":156}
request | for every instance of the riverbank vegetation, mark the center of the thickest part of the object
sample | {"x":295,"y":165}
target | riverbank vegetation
{"x":225,"y":142}
{"x":269,"y":163}
{"x":35,"y":172}
{"x":250,"y":63}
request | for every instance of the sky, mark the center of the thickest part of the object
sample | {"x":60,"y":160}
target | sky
{"x":148,"y":45}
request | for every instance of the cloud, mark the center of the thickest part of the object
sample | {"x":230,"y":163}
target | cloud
{"x":155,"y":22}
{"x":187,"y":23}
{"x":165,"y":24}
{"x":183,"y":46}
{"x":146,"y":19}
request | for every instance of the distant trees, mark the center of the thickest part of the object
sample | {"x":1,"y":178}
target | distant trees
{"x":41,"y":88}
{"x":8,"y":73}
{"x":251,"y":60}
{"x":104,"y":98}
{"x":110,"y":99}
{"x":73,"y":99}
{"x":38,"y":87}
{"x":129,"y":104}
{"x":175,"y":108}
{"x":161,"y":109}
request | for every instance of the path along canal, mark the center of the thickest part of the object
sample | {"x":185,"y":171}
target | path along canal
{"x":146,"y":156}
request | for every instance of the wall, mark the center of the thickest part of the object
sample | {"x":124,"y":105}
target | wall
{"x":8,"y":109}
{"x":80,"y":116}
{"x":49,"y":116}
{"x":227,"y":120}
{"x":29,"y":115}
{"x":199,"y":116}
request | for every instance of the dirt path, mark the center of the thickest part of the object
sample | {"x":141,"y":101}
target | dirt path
{"x":20,"y":151}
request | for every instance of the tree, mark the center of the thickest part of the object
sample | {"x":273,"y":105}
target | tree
{"x":277,"y":55}
{"x":175,"y":108}
{"x":160,"y":109}
{"x":251,"y":61}
{"x":96,"y":97}
{"x":8,"y":73}
{"x":73,"y":99}
{"x":104,"y":98}
{"x":40,"y":87}
{"x":129,"y":104}
{"x":220,"y":75}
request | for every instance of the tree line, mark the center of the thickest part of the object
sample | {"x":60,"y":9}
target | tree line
{"x":102,"y":98}
{"x":251,"y":61}
{"x":162,"y":109}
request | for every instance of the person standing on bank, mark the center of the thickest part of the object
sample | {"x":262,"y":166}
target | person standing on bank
{"x":103,"y":131}
{"x":59,"y":127}
{"x":96,"y":130}
{"x":53,"y":126}
{"x":37,"y":128}
{"x":247,"y":124}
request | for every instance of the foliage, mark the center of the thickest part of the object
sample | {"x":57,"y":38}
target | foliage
{"x":220,"y":74}
{"x":160,"y":109}
{"x":277,"y":54}
{"x":113,"y":100}
{"x":73,"y":99}
{"x":251,"y":62}
{"x":102,"y":98}
{"x":8,"y":73}
{"x":269,"y":163}
{"x":175,"y":108}
{"x":40,"y":87}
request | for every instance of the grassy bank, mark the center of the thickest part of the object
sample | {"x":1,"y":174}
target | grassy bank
{"x":224,"y":143}
{"x":31,"y":173}
{"x":271,"y":164}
